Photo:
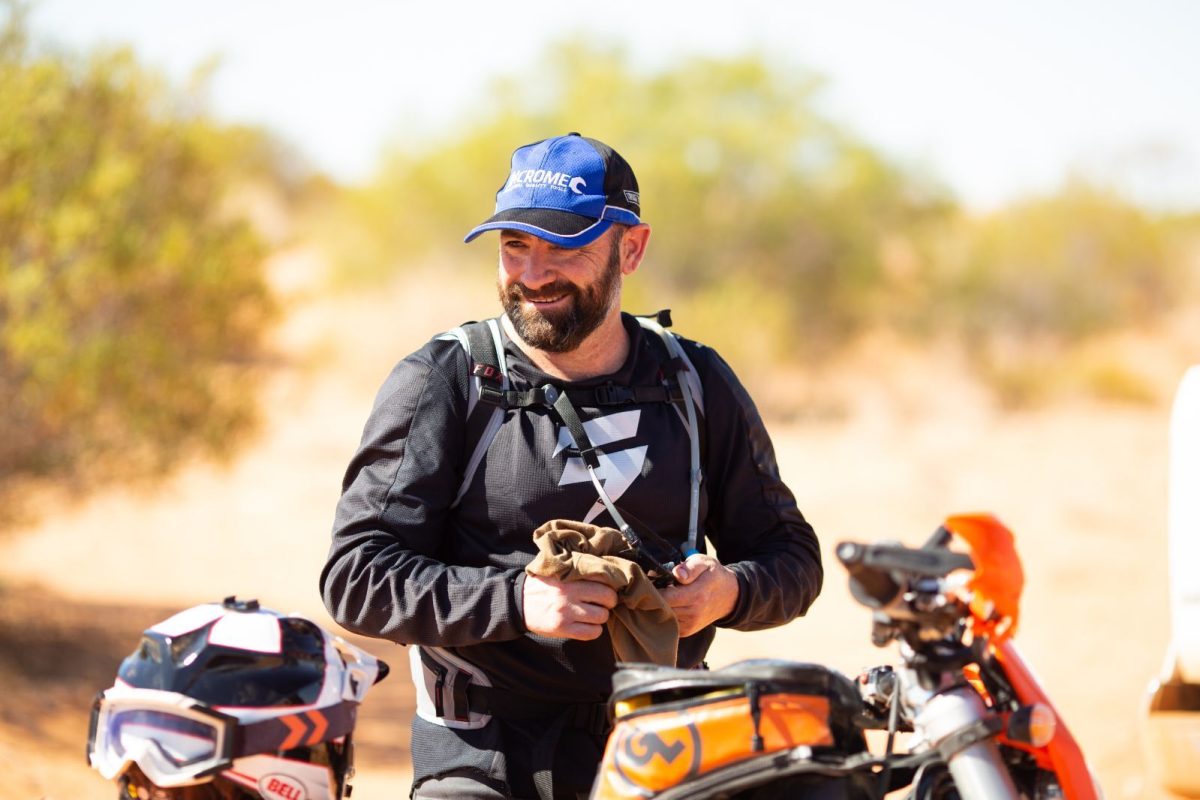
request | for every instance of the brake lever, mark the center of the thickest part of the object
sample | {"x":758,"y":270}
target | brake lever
{"x":939,"y":540}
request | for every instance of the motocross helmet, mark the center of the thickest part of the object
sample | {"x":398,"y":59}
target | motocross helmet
{"x":229,"y":701}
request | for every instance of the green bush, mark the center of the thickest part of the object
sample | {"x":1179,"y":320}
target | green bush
{"x":132,"y":307}
{"x":1067,"y":266}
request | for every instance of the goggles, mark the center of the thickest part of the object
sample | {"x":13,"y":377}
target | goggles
{"x":179,"y":741}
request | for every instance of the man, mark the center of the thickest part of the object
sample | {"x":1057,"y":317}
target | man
{"x":590,"y":416}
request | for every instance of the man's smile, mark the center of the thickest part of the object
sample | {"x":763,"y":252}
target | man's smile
{"x":542,"y":302}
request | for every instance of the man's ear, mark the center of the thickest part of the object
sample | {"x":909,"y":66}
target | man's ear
{"x":633,"y":247}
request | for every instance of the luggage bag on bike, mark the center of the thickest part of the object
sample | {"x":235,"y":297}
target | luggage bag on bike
{"x":736,"y":731}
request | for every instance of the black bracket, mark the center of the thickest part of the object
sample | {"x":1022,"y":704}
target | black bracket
{"x":960,"y":740}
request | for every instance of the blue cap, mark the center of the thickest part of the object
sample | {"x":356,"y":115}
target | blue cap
{"x":567,"y":190}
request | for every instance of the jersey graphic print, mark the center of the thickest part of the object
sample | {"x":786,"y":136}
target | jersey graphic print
{"x":617,"y":470}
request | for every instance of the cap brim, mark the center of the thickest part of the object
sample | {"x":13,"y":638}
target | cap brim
{"x":557,"y":227}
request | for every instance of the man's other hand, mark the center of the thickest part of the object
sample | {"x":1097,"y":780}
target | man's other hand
{"x":566,"y":609}
{"x":705,"y":592}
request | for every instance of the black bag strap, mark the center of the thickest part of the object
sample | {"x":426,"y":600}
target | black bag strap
{"x":481,"y":341}
{"x":485,"y":360}
{"x":609,"y":394}
{"x":566,"y":412}
{"x":487,"y":366}
{"x":693,"y":395}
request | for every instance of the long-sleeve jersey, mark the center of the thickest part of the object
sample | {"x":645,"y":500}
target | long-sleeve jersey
{"x":409,"y":565}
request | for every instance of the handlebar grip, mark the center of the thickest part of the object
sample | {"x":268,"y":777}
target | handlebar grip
{"x":870,"y":585}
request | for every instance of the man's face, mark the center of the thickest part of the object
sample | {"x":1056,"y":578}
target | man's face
{"x":556,"y":296}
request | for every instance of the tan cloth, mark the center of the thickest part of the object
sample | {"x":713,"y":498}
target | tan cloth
{"x":642,"y":627}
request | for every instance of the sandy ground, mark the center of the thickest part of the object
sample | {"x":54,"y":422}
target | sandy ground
{"x":1083,"y":487}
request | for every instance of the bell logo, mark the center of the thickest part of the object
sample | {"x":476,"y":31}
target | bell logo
{"x":280,"y":787}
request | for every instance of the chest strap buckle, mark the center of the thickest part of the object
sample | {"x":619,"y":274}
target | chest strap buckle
{"x":610,"y":394}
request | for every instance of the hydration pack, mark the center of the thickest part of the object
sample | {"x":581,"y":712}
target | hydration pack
{"x":491,"y":395}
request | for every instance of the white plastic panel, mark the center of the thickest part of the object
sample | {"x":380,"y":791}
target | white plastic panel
{"x":1183,"y":525}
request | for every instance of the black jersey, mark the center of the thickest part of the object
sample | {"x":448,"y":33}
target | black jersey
{"x":407,"y":564}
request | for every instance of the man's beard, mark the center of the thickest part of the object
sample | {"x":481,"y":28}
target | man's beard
{"x":563,"y":330}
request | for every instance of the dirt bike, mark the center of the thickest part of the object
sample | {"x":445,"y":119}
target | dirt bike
{"x":979,"y":725}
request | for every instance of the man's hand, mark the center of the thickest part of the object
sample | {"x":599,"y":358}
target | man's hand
{"x":566,"y":609}
{"x":706,"y":592}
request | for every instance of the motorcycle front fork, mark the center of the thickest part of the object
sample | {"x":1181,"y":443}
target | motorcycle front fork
{"x":953,"y":718}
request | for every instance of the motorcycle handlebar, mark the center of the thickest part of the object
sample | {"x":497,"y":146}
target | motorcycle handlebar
{"x":871,"y":586}
{"x":876,"y":570}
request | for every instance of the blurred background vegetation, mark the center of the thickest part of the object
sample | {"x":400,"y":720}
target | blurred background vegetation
{"x":135,"y":307}
{"x":779,"y":235}
{"x":132,"y":301}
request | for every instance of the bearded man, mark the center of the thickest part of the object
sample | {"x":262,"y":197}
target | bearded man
{"x":563,"y":408}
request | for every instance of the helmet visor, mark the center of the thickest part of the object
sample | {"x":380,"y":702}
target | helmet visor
{"x":174,"y":740}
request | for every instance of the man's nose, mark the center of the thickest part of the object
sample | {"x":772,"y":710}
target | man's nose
{"x":537,"y":269}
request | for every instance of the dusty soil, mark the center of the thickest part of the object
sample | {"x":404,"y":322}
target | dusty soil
{"x":1083,"y":486}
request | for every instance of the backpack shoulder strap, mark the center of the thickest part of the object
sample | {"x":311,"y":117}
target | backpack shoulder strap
{"x":676,"y":357}
{"x":489,"y":373}
{"x":693,"y":395}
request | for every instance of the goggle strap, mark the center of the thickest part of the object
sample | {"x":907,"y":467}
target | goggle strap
{"x":303,"y":729}
{"x":93,"y":724}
